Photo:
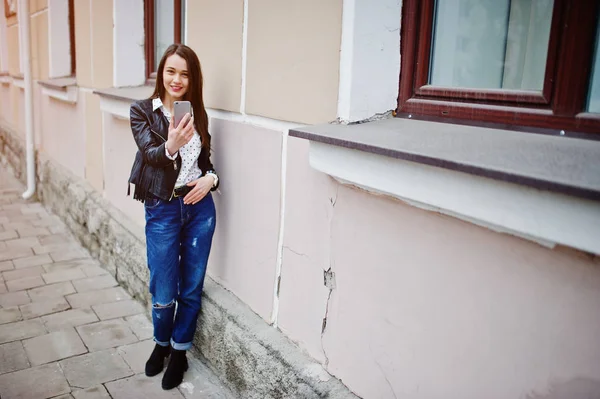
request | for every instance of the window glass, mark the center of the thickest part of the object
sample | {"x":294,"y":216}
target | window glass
{"x":164,"y":28}
{"x":594,"y":97}
{"x":490,"y":44}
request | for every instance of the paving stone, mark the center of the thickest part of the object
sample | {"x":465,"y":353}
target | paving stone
{"x":144,"y":387}
{"x":14,"y":299}
{"x":8,"y":235}
{"x":46,"y":249}
{"x":118,"y":309}
{"x":69,"y":255}
{"x":24,"y":283}
{"x":69,"y":318}
{"x":30,"y":261}
{"x":47,"y":221}
{"x":199,"y":382}
{"x":17,"y":225}
{"x":51,"y":291}
{"x":12,"y":357}
{"x":97,"y":392}
{"x":93,"y":271}
{"x":87,"y":299}
{"x":58,"y":229}
{"x":69,"y":396}
{"x":21,"y":330}
{"x":6,"y":265}
{"x":63,"y":275}
{"x":10,"y":315}
{"x":28,"y":242}
{"x":61,"y":266}
{"x":22,"y":273}
{"x":94,"y":283}
{"x":3,"y":289}
{"x":44,"y":381}
{"x":57,"y":239}
{"x":49,"y":306}
{"x":141,"y":326}
{"x":106,"y":334}
{"x":136,"y":354}
{"x":89,"y":370}
{"x":33,"y":231}
{"x":54,"y":346}
{"x":15,"y":253}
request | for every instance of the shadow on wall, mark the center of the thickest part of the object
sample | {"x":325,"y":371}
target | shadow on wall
{"x":579,"y":388}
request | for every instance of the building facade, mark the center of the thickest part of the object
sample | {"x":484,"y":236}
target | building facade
{"x":408,"y":257}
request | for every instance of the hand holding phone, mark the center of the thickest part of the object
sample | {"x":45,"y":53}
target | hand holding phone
{"x":181,"y":127}
{"x":180,"y":108}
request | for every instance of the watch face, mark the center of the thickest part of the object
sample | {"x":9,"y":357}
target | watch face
{"x":10,"y":8}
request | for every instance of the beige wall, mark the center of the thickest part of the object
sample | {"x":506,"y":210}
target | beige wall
{"x":83,"y":44}
{"x":244,"y":254}
{"x":424,"y":298}
{"x":94,"y":159}
{"x":40,"y":61}
{"x":93,"y":30}
{"x":63,"y":133}
{"x":119,"y":152}
{"x":102,"y":43}
{"x":215,"y":33}
{"x":293,"y":59}
{"x":12,"y":38}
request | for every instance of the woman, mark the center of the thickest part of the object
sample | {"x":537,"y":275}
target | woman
{"x":173,"y":176}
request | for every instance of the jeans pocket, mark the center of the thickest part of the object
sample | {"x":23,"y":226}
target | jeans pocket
{"x":151,"y":203}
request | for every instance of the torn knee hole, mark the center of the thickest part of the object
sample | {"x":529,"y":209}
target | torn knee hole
{"x":161,"y":306}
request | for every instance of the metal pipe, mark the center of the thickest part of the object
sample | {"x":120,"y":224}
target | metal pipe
{"x":25,"y":48}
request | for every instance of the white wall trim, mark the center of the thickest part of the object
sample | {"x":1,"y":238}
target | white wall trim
{"x":117,"y":108}
{"x":258,"y":121}
{"x":68,"y":94}
{"x":129,"y":62}
{"x":18,"y":82}
{"x":541,"y":216}
{"x":369,"y":58}
{"x":59,"y":39}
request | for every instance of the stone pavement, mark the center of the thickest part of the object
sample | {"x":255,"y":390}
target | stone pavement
{"x":67,"y":330}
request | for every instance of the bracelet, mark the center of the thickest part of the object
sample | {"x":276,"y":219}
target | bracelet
{"x":214,"y":175}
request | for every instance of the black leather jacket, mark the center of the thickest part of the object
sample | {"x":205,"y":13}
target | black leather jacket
{"x":152,"y":172}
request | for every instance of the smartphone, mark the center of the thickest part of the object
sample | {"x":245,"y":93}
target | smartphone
{"x":180,"y":108}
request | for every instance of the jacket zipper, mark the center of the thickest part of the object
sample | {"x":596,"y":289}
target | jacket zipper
{"x":163,"y":139}
{"x":174,"y":162}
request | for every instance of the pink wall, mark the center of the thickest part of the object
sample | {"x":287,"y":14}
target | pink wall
{"x":427,"y":306}
{"x":63,"y":132}
{"x":244,"y":254}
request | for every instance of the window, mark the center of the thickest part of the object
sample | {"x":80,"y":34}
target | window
{"x":511,"y":62}
{"x":164,"y":25}
{"x":72,"y":35}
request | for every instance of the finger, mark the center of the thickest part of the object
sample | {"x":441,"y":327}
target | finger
{"x":184,"y":121}
{"x":171,"y":124}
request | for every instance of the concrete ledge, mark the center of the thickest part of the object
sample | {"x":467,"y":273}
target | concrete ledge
{"x":253,"y":359}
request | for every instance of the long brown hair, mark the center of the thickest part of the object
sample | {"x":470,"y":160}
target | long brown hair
{"x":194,"y":92}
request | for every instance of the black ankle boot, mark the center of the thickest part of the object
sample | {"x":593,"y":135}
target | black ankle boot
{"x":178,"y":365}
{"x":156,"y":362}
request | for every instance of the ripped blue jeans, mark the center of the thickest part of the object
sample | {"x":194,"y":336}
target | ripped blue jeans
{"x":178,"y":240}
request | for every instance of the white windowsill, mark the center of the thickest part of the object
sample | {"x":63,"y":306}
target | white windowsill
{"x":117,"y":101}
{"x":543,"y":216}
{"x":63,"y":89}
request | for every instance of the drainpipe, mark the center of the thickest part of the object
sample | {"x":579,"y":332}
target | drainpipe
{"x":24,"y":43}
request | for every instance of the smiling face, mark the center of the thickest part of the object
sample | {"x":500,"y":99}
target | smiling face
{"x":176,"y":77}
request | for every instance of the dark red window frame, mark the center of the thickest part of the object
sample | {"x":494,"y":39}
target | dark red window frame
{"x":149,"y":34}
{"x":72,"y":36}
{"x":559,"y":106}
